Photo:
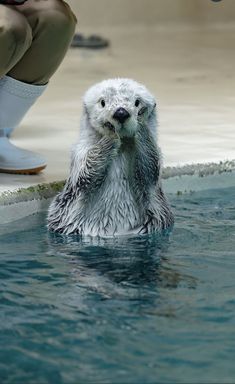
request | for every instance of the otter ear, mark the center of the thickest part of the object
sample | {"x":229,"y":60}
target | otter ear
{"x":152,"y":121}
{"x":85,"y":110}
{"x":153,"y":108}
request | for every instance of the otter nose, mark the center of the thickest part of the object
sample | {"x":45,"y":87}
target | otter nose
{"x":121,"y":115}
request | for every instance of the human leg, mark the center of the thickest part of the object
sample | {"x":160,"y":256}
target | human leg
{"x":52,"y":25}
{"x":15,"y":38}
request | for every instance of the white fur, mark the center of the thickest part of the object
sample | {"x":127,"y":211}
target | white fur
{"x":114,"y":187}
{"x":117,"y":93}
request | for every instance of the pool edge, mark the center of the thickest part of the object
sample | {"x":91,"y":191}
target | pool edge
{"x":177,"y":180}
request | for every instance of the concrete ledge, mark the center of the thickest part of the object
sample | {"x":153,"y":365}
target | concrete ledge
{"x":177,"y":180}
{"x":195,"y":177}
{"x":37,"y":192}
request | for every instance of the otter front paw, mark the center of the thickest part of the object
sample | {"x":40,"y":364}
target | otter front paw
{"x":109,"y":129}
{"x":111,"y":133}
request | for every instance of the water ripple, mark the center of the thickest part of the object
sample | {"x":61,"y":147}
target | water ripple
{"x":127,"y":310}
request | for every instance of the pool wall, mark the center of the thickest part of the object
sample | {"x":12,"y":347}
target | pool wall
{"x":176,"y":180}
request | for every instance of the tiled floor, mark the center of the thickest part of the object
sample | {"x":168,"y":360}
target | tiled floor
{"x":190,"y":70}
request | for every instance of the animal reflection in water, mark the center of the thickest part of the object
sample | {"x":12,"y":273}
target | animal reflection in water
{"x":120,"y":267}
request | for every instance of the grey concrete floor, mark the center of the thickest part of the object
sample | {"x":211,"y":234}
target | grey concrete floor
{"x":191,"y":70}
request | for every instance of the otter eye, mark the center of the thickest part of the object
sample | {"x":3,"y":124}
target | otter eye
{"x":102,"y":102}
{"x":137,"y":102}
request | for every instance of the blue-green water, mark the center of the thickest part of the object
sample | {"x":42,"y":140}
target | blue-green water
{"x":130,"y":310}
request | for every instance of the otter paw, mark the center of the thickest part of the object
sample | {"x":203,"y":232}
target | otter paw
{"x":109,"y":129}
{"x":111,"y":133}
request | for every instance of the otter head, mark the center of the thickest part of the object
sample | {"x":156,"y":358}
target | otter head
{"x":121,"y":106}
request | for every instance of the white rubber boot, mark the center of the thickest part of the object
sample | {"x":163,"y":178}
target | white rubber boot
{"x":17,"y":160}
{"x":16,"y":97}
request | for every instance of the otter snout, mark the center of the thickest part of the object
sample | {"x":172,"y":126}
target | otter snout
{"x":121,"y":115}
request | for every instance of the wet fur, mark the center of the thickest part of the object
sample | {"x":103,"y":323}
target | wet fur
{"x":114,"y":186}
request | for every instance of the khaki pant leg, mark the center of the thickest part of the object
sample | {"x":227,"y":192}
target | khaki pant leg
{"x":53,"y":25}
{"x":15,"y":38}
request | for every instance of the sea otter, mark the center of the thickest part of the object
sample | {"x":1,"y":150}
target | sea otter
{"x":114,"y":187}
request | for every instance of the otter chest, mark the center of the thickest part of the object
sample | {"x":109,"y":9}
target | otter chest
{"x":115,"y":206}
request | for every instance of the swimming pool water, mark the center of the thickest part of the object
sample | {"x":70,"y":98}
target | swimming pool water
{"x":127,"y":310}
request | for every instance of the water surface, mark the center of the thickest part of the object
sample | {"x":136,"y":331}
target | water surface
{"x":129,"y":310}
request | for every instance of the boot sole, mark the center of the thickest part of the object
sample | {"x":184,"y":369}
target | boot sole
{"x":32,"y":171}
